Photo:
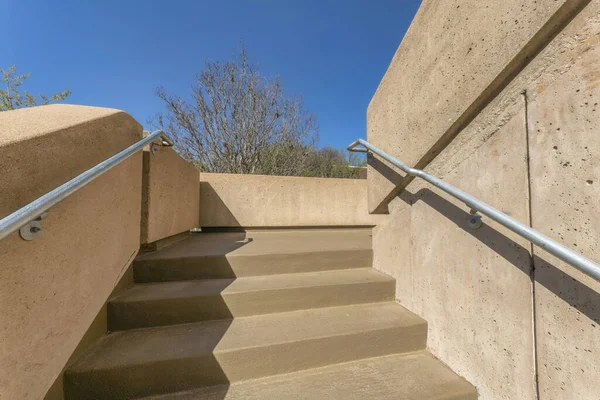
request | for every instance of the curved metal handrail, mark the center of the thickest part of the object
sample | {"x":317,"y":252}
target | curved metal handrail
{"x":569,"y":256}
{"x":35,"y":210}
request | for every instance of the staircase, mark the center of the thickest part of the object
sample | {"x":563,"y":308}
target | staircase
{"x":281,"y":314}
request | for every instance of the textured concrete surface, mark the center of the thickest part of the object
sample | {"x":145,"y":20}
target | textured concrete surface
{"x":392,"y":249}
{"x":54,"y":286}
{"x":554,"y":83}
{"x":157,"y":360}
{"x":472,"y":287}
{"x":188,"y":301}
{"x":258,"y":252}
{"x":170,"y":195}
{"x":274,"y":201}
{"x":415,"y":376}
{"x":454,"y":58}
{"x":564,"y":121}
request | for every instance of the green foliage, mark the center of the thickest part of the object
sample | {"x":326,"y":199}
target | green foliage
{"x":332,"y":163}
{"x":11,"y":98}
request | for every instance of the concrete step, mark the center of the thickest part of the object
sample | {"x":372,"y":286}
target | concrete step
{"x":253,"y":253}
{"x":414,"y":376}
{"x":143,"y":362}
{"x":171,"y":303}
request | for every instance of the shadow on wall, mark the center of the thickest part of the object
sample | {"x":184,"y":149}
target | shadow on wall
{"x":385,"y":170}
{"x":213,"y":210}
{"x":575,"y":293}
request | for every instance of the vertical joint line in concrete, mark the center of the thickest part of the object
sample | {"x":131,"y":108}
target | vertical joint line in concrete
{"x":531,"y":259}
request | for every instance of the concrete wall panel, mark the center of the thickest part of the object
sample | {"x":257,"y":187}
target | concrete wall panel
{"x":453,"y":60}
{"x":472,"y":286}
{"x":564,"y":121}
{"x":553,"y":96}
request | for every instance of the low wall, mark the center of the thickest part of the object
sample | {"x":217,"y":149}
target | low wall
{"x":526,"y":145}
{"x":54,"y":286}
{"x":170,"y":195}
{"x":229,"y":200}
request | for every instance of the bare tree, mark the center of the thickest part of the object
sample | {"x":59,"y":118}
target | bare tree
{"x":11,"y":97}
{"x":239,"y":122}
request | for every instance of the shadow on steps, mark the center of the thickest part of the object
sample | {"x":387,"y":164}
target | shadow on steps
{"x":155,"y":351}
{"x":144,"y":372}
{"x":202,"y":256}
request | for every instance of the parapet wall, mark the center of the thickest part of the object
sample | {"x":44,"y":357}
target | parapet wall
{"x":52,"y":288}
{"x":247,"y":201}
{"x":499,"y":99}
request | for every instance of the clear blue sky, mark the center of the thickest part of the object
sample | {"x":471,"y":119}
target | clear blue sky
{"x":115,"y":53}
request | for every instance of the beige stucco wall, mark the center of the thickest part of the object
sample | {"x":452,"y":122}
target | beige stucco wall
{"x":53,"y":287}
{"x":474,"y":287}
{"x":170,"y":195}
{"x":228,"y":200}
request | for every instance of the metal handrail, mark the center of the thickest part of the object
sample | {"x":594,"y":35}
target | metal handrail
{"x":35,"y":210}
{"x":569,"y":256}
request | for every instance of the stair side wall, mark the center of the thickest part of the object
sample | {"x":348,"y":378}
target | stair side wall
{"x":54,"y":287}
{"x":510,"y":320}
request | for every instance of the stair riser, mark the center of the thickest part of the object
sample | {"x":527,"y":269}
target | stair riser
{"x":296,"y":356}
{"x":143,"y":380}
{"x":237,"y":365}
{"x":218,"y":267}
{"x":413,"y":376}
{"x":131,"y":315}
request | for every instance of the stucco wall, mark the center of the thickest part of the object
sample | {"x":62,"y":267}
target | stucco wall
{"x":478,"y":289}
{"x":228,"y":200}
{"x":170,"y":195}
{"x":54,"y":287}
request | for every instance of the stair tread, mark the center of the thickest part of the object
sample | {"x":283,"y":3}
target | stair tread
{"x":266,"y":242}
{"x":212,"y":287}
{"x":412,"y":376}
{"x":226,"y":255}
{"x":155,"y":344}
